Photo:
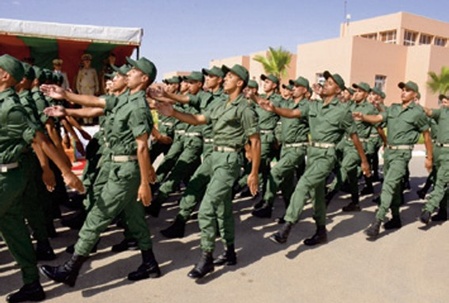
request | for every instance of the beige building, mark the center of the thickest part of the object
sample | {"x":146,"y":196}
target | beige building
{"x":381,"y":51}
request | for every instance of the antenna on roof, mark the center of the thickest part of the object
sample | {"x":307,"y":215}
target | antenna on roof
{"x":347,"y":16}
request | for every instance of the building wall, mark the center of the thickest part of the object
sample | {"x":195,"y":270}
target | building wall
{"x":242,"y":60}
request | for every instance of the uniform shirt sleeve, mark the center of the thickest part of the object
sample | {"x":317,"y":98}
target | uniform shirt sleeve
{"x":195,"y":101}
{"x":19,"y":125}
{"x":110,"y":102}
{"x":422,"y":122}
{"x":348,"y":123}
{"x":141,"y":121}
{"x":250,"y":121}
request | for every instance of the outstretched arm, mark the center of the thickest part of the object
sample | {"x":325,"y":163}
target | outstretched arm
{"x":59,"y":93}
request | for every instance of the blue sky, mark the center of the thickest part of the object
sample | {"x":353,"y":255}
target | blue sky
{"x":186,"y":34}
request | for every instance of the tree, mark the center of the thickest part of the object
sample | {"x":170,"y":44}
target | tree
{"x":276,"y":62}
{"x":439,"y":83}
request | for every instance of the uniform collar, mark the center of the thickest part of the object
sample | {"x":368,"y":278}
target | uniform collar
{"x":136,"y":95}
{"x":7,"y":93}
{"x":237,"y":100}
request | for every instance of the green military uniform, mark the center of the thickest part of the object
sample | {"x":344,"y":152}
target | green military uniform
{"x":190,"y":158}
{"x":198,"y":183}
{"x":232,"y":124}
{"x":351,"y":158}
{"x":404,"y":127}
{"x":16,"y":134}
{"x":438,"y":197}
{"x":267,"y":124}
{"x":294,"y":134}
{"x":328,"y":123}
{"x":130,"y":120}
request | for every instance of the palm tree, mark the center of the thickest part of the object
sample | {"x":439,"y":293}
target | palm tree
{"x":276,"y":62}
{"x":439,"y":83}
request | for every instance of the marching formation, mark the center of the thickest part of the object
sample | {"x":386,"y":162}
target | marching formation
{"x":219,"y":138}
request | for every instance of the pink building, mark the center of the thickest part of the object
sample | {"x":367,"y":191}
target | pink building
{"x":382,"y":51}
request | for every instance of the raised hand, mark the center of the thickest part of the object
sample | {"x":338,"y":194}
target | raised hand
{"x":53,"y":91}
{"x":55,"y":111}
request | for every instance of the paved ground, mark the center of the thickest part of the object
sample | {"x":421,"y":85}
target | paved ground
{"x":407,"y":265}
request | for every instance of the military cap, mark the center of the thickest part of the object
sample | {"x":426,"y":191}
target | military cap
{"x":363,"y":86}
{"x":337,"y":79}
{"x":214,"y":71}
{"x":195,"y":76}
{"x":238,"y":70}
{"x":122,"y":70}
{"x":301,"y":81}
{"x":174,"y":79}
{"x":12,"y":66}
{"x":270,"y":77}
{"x":253,"y":84}
{"x":288,"y":87}
{"x":410,"y":85}
{"x":145,"y":66}
{"x":28,"y":71}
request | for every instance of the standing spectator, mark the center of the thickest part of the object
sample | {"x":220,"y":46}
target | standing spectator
{"x":57,"y":69}
{"x":87,"y":80}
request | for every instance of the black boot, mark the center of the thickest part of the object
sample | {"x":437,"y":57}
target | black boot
{"x":425,"y":216}
{"x":282,"y":235}
{"x":126,"y":244}
{"x":148,"y":269}
{"x":65,"y":273}
{"x":320,"y":236}
{"x":368,"y":189}
{"x":351,"y":207}
{"x":373,"y":230}
{"x":155,"y":208}
{"x":263,"y":212}
{"x":205,"y":266}
{"x":29,"y":292}
{"x":421,"y":193}
{"x":44,"y":251}
{"x":176,"y":230}
{"x":441,"y":216}
{"x":229,"y":257}
{"x":394,"y":223}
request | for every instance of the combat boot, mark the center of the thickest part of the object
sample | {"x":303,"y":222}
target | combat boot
{"x":44,"y":251}
{"x":148,"y":269}
{"x":441,"y":216}
{"x":263,"y":212}
{"x":229,"y":257}
{"x":65,"y":273}
{"x":351,"y":207}
{"x":394,"y":223}
{"x":373,"y":230}
{"x":320,"y":236}
{"x":425,"y":216}
{"x":125,"y":244}
{"x":176,"y":230}
{"x":204,"y":266}
{"x":29,"y":292}
{"x":281,"y":236}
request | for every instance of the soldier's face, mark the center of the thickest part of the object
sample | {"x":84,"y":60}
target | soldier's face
{"x":298,"y":91}
{"x":330,"y":88}
{"x":195,"y":87}
{"x":407,"y":95}
{"x":213,"y":82}
{"x":119,"y":82}
{"x":135,"y":77}
{"x":231,"y":82}
{"x":445,"y":102}
{"x":269,"y":85}
{"x":360,"y":95}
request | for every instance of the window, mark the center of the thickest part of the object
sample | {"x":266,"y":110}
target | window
{"x":388,"y":37}
{"x":372,"y":36}
{"x":425,"y":39}
{"x":409,"y":38}
{"x":440,"y":41}
{"x":379,"y":82}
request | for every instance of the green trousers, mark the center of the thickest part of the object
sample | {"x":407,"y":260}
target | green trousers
{"x":439,"y":196}
{"x":35,"y":197}
{"x":194,"y":192}
{"x":119,"y":194}
{"x":395,"y":168}
{"x":170,"y":158}
{"x":348,"y":171}
{"x":187,"y":163}
{"x":282,"y":174}
{"x":320,"y":162}
{"x":12,"y":224}
{"x":216,"y":206}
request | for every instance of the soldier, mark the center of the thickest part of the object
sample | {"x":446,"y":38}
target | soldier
{"x":351,"y":159}
{"x":294,"y":134}
{"x":197,"y":185}
{"x":438,"y":197}
{"x":405,"y":122}
{"x":17,"y":133}
{"x":329,"y":121}
{"x":130,"y":174}
{"x":234,"y":122}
